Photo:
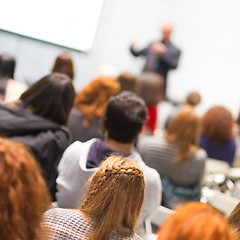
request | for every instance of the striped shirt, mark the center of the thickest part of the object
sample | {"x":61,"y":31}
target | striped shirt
{"x":160,"y":154}
{"x":68,"y":224}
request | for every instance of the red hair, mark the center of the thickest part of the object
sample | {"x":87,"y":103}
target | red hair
{"x":24,"y":195}
{"x":93,"y":99}
{"x":196,"y":221}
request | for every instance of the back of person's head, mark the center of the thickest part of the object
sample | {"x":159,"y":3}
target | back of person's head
{"x":64,"y":64}
{"x":115,"y":197}
{"x":183,"y":129}
{"x":128,"y":82}
{"x":193,"y":99}
{"x":51,"y":97}
{"x":234,"y":220}
{"x":196,"y":221}
{"x":151,"y":88}
{"x":93,"y":99}
{"x":24,"y":195}
{"x":125,"y":115}
{"x":7,"y":66}
{"x":217,"y":124}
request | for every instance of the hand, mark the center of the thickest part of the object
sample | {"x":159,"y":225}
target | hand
{"x":132,"y":45}
{"x":158,"y":48}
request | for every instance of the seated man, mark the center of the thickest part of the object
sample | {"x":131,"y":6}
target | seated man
{"x":124,"y":118}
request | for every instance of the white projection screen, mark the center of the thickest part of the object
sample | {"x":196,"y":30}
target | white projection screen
{"x":71,"y":24}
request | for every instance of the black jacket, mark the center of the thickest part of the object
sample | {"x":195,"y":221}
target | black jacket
{"x":47,"y":140}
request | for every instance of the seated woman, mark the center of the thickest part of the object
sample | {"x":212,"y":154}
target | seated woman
{"x":177,"y":158}
{"x":110,"y":208}
{"x":217,"y":134}
{"x":24,"y":196}
{"x":196,"y":221}
{"x":38,"y":120}
{"x":85,"y":120}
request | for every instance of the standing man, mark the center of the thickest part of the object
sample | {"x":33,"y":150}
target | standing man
{"x":161,"y":56}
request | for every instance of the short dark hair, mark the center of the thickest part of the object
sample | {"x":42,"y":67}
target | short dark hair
{"x":126,"y":113}
{"x":7,"y":66}
{"x":51,"y":97}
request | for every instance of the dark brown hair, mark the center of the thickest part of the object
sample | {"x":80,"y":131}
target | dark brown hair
{"x":24,"y":196}
{"x":64,"y":64}
{"x":128,"y":82}
{"x":217,"y":124}
{"x":51,"y":97}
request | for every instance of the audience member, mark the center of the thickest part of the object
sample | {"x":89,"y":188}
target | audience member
{"x":151,"y":90}
{"x":85,"y":120}
{"x":110,"y":208}
{"x":177,"y":158}
{"x":196,"y":221}
{"x":217,"y":134}
{"x":64,"y":64}
{"x":128,"y":82}
{"x":24,"y":196}
{"x":193,"y":99}
{"x":234,"y":220}
{"x":125,"y":115}
{"x":38,"y":120}
{"x":10,"y":89}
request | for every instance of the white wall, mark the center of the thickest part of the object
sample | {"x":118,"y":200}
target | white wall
{"x":206,"y":31}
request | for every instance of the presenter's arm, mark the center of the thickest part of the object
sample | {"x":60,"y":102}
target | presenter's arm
{"x":137,"y":53}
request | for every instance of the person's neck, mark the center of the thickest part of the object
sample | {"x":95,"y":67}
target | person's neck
{"x":125,"y":148}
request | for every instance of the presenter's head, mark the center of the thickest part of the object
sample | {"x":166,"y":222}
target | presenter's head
{"x":166,"y":32}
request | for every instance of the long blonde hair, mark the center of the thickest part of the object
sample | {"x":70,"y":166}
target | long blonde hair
{"x":183,"y":130}
{"x":114,"y":198}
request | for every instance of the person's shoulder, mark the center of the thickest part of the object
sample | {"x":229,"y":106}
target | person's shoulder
{"x":201,"y":154}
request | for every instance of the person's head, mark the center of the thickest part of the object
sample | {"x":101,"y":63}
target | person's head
{"x":64,"y":64}
{"x":195,"y":221}
{"x":51,"y":97}
{"x":166,"y":32}
{"x":115,"y":196}
{"x":151,"y":88}
{"x":128,"y":82}
{"x":234,"y":220}
{"x":24,"y":195}
{"x":7,"y":66}
{"x":183,"y":129}
{"x":125,"y":115}
{"x":93,"y":99}
{"x":217,"y":124}
{"x":193,"y":99}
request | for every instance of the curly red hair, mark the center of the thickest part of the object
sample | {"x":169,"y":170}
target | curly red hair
{"x":24,"y":195}
{"x":196,"y":221}
{"x":217,"y":124}
{"x":93,"y":99}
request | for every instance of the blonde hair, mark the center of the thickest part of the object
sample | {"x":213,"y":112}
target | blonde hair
{"x":93,"y":99}
{"x":183,"y":129}
{"x":114,"y":198}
